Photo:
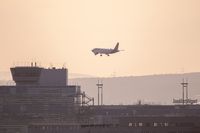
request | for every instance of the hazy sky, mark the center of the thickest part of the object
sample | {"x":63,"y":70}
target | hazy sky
{"x":158,"y":36}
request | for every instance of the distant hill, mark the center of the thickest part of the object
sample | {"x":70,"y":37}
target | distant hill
{"x":153,"y":89}
{"x":78,"y":75}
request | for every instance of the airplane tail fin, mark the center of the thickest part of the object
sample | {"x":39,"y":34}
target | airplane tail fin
{"x":116,"y":47}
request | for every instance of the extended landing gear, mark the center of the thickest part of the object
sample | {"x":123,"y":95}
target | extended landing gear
{"x":100,"y":54}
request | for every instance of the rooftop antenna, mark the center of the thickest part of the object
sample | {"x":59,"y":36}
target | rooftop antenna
{"x":64,"y":65}
{"x":51,"y":65}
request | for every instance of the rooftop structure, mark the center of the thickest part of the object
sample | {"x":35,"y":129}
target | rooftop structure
{"x":38,"y":76}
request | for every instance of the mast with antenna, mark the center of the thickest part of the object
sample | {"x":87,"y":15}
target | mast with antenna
{"x":100,"y":87}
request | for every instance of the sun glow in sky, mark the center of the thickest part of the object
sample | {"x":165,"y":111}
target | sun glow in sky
{"x":158,"y":36}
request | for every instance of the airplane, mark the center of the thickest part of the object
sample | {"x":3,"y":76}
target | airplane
{"x":105,"y":51}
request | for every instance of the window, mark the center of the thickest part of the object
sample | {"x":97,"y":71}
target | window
{"x":130,"y":124}
{"x":155,"y":124}
{"x":140,"y":124}
{"x":166,"y":124}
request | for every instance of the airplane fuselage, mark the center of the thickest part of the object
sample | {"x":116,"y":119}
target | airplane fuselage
{"x":103,"y":51}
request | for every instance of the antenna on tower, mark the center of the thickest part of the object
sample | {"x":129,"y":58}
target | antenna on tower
{"x":185,"y":95}
{"x":185,"y":88}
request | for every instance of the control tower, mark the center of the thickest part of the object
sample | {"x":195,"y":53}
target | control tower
{"x":38,"y":76}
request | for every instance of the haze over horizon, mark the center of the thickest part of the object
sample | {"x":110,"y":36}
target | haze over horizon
{"x":158,"y":36}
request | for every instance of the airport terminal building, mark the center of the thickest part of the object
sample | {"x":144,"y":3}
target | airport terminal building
{"x":43,"y":102}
